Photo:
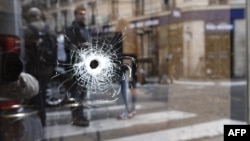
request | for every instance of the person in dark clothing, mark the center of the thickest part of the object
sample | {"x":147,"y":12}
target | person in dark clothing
{"x":16,"y":87}
{"x":76,"y":36}
{"x":36,"y":62}
{"x":16,"y":84}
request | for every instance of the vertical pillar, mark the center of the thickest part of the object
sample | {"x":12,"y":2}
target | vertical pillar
{"x":248,"y":59}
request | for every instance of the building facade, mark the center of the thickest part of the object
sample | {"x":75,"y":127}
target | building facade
{"x":200,"y":36}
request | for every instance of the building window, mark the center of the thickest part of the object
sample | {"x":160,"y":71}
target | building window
{"x":64,"y":2}
{"x":169,"y":4}
{"x":218,"y":2}
{"x":139,"y":7}
{"x":115,"y":11}
{"x":64,"y":13}
{"x":165,"y":5}
{"x":55,"y":16}
{"x":223,"y":1}
{"x":53,"y":2}
{"x":92,"y":6}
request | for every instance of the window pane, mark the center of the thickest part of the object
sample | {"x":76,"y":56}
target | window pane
{"x":122,"y":69}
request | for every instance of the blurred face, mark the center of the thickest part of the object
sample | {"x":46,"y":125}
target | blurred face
{"x":80,"y":17}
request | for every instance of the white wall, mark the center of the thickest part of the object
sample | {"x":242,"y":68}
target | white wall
{"x":240,"y":48}
{"x":194,"y":47}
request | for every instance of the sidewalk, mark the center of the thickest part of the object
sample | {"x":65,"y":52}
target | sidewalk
{"x":235,"y":82}
{"x":171,"y":111}
{"x":210,"y":83}
{"x":195,"y":132}
{"x":216,"y":138}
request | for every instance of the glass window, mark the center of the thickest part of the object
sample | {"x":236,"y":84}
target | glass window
{"x":123,"y":69}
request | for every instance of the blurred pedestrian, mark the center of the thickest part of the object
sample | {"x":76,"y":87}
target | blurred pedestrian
{"x":76,"y":35}
{"x":133,"y":89}
{"x":170,"y":68}
{"x":128,"y":82}
{"x":16,"y":84}
{"x":128,"y":93}
{"x":40,"y":55}
{"x":16,"y":87}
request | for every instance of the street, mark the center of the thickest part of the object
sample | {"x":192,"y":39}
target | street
{"x":185,"y":110}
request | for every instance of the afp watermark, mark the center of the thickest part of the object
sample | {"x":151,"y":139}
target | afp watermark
{"x":236,"y":132}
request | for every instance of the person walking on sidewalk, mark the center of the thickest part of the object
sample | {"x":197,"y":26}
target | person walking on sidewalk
{"x":128,"y":84}
{"x":76,"y":35}
{"x":129,"y":97}
{"x":40,"y":55}
{"x":170,"y":68}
